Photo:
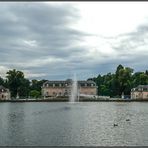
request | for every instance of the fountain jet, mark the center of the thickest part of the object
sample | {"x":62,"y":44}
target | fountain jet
{"x":74,"y":96}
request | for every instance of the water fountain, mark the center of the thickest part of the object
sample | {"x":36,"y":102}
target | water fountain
{"x":74,"y":96}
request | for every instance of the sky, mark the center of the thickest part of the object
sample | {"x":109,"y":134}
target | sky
{"x":54,"y":40}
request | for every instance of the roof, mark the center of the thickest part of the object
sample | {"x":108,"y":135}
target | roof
{"x":68,"y":81}
{"x":141,"y":88}
{"x":88,"y":82}
{"x":3,"y":89}
{"x":56,"y":82}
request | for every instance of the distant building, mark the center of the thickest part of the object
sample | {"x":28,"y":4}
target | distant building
{"x":140,"y":92}
{"x":63,"y":88}
{"x":4,"y":93}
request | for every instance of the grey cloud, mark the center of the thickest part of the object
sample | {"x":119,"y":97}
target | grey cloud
{"x":131,"y":40}
{"x":131,"y":48}
{"x":48,"y":27}
{"x":46,"y":24}
{"x":32,"y":34}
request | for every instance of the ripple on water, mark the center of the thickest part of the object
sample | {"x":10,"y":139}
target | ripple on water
{"x":89,"y":123}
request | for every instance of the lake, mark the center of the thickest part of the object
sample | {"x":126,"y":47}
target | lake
{"x":74,"y":124}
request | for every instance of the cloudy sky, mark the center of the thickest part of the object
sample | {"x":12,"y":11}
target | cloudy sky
{"x":53,"y":40}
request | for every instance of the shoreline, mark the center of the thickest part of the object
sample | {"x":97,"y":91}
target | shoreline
{"x":81,"y":100}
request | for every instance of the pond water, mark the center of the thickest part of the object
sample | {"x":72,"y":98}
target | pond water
{"x":77,"y":124}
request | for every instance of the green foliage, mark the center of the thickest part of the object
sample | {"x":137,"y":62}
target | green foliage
{"x":105,"y":91}
{"x":34,"y":94}
{"x":19,"y":85}
{"x":23,"y":90}
{"x":1,"y":81}
{"x":36,"y":85}
{"x":122,"y":81}
{"x":14,"y":81}
{"x":110,"y":84}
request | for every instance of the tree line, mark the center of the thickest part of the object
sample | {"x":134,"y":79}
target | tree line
{"x":20,"y":86}
{"x":110,"y":84}
{"x":122,"y":81}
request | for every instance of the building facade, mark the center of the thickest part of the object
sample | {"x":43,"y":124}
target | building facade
{"x":4,"y":93}
{"x":63,"y":88}
{"x":140,"y":92}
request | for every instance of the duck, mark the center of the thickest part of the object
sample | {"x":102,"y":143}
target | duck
{"x":115,"y":124}
{"x":127,"y":119}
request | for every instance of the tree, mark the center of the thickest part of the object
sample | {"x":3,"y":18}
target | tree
{"x":116,"y":83}
{"x":123,"y":77}
{"x":23,"y":90}
{"x":36,"y":85}
{"x":1,"y":81}
{"x":124,"y":80}
{"x":104,"y":90}
{"x":34,"y":94}
{"x":14,"y":81}
{"x":99,"y":82}
{"x":119,"y":67}
{"x":139,"y":78}
{"x":143,"y":79}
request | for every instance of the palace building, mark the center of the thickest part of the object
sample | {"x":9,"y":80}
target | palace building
{"x":63,"y":88}
{"x":140,"y":92}
{"x":4,"y":93}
